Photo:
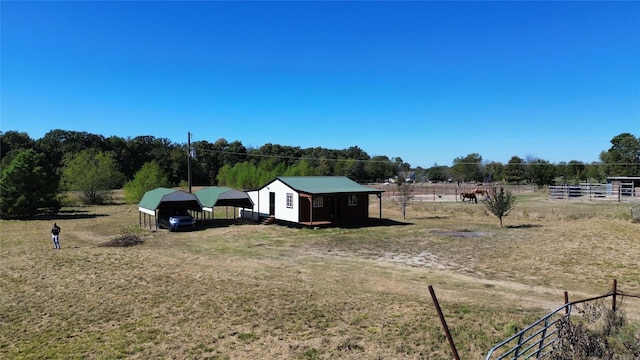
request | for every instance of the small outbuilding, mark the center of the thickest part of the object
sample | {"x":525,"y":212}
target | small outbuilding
{"x":163,"y":198}
{"x":625,"y":185}
{"x":313,"y":201}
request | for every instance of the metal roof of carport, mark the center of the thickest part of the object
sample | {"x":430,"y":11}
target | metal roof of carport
{"x":153,"y":199}
{"x":223,"y":196}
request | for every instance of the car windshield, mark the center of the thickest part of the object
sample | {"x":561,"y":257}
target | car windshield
{"x":173,"y":212}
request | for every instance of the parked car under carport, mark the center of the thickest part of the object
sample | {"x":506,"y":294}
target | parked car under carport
{"x":165,"y":203}
{"x":175,"y":218}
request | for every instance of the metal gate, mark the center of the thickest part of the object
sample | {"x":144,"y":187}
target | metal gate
{"x":537,"y":340}
{"x":534,"y":341}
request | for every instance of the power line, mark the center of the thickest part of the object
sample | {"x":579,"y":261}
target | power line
{"x":306,"y":158}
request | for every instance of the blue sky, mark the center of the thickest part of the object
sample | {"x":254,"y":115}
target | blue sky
{"x":424,"y":81}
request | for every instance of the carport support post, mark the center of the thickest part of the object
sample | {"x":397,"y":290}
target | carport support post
{"x":444,"y":324}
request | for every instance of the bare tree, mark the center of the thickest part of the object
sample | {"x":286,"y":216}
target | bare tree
{"x":500,"y":203}
{"x":405,"y":196}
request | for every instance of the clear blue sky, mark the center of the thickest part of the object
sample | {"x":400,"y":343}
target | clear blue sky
{"x":424,"y":81}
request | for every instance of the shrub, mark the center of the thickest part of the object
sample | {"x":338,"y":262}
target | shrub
{"x":500,"y":203}
{"x":602,"y":334}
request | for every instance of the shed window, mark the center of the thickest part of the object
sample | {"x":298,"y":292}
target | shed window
{"x":290,"y":200}
{"x":353,"y":200}
{"x":318,"y":202}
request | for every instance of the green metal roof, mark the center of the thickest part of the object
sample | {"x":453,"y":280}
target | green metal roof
{"x":153,"y":198}
{"x":209,"y":195}
{"x":326,"y":185}
{"x":223,"y":196}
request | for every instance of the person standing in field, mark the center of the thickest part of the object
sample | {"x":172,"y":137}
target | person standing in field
{"x":55,"y":234}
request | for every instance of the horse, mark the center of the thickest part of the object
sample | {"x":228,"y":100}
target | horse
{"x":470,"y":196}
{"x":480,"y":192}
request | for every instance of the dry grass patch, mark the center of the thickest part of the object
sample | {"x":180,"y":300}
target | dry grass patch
{"x":248,"y":291}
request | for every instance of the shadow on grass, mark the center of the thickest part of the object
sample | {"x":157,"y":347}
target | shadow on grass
{"x":62,"y":215}
{"x":372,"y":222}
{"x":219,"y":223}
{"x":523,"y":226}
{"x":375,"y":223}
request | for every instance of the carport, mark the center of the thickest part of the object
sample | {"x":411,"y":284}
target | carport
{"x":156,"y":199}
{"x":213,"y":196}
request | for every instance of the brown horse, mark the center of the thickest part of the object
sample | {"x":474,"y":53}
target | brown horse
{"x":470,"y":196}
{"x":480,"y":192}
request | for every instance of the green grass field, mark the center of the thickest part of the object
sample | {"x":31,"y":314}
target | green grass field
{"x":245,"y":291}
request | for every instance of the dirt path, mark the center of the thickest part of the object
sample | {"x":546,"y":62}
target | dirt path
{"x":455,"y":285}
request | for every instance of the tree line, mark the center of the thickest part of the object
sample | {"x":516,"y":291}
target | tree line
{"x":35,"y":172}
{"x":621,"y":159}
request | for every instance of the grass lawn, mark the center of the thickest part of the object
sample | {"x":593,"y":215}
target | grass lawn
{"x":245,"y":291}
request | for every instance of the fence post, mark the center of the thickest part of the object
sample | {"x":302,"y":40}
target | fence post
{"x":566,"y":301}
{"x":615,"y":292}
{"x":444,"y":323}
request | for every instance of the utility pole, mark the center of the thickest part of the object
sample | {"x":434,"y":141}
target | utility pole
{"x":189,"y":159}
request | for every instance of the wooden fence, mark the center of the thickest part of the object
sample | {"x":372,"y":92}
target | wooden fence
{"x":443,"y":192}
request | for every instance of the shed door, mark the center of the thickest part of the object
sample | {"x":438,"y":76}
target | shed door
{"x":272,"y":203}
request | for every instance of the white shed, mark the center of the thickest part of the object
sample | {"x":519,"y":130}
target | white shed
{"x":312,"y":201}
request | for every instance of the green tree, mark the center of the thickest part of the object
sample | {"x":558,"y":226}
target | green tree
{"x":27,"y":184}
{"x":380,"y":168}
{"x":224,"y":176}
{"x":119,"y":148}
{"x":267,"y":170}
{"x":623,"y":158}
{"x":301,"y":168}
{"x":244,"y":175}
{"x":467,"y":168}
{"x":93,"y":173}
{"x":233,"y":153}
{"x":179,"y":164}
{"x":495,"y":171}
{"x":142,"y":149}
{"x":343,"y":166}
{"x":400,"y":165}
{"x":438,"y":173}
{"x":151,"y":176}
{"x":515,"y":170}
{"x":56,"y":144}
{"x":500,"y":203}
{"x":358,"y":172}
{"x":12,"y":142}
{"x":286,"y":154}
{"x":355,"y":152}
{"x":595,"y":173}
{"x":542,"y":172}
{"x":575,"y":171}
{"x":561,"y":173}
